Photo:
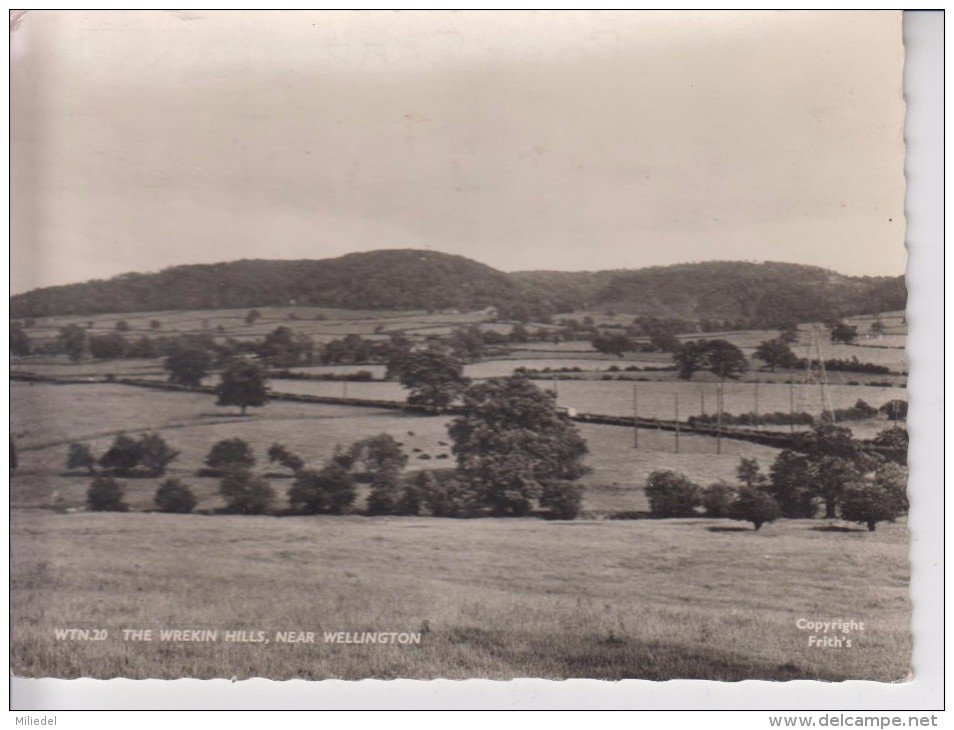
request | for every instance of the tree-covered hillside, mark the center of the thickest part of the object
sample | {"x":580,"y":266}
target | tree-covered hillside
{"x":393,"y":279}
{"x":755,"y":295}
{"x":765,"y":294}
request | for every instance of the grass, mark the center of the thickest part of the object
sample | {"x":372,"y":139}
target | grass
{"x":46,"y":418}
{"x":499,"y":598}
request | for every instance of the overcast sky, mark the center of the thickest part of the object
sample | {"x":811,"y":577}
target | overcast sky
{"x":540,"y":140}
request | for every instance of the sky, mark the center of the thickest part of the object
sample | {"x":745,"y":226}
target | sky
{"x":524,"y":140}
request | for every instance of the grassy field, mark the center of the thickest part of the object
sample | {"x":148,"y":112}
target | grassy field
{"x":46,"y":418}
{"x":496,"y":598}
{"x":493,"y":598}
{"x":656,"y":399}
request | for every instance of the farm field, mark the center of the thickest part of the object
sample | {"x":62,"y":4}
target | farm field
{"x":656,"y":399}
{"x":596,"y":597}
{"x":505,"y":598}
{"x":46,"y":418}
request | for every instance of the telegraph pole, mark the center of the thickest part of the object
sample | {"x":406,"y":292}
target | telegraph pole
{"x":719,"y":398}
{"x":791,"y":404}
{"x":677,"y":421}
{"x":635,"y":416}
{"x":758,"y":423}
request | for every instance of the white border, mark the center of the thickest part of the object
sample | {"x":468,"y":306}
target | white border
{"x":923,"y":34}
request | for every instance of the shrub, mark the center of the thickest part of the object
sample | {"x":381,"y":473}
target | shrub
{"x":123,"y":456}
{"x":717,"y":497}
{"x":562,"y":499}
{"x":174,"y":496}
{"x":895,"y":409}
{"x":230,"y":454}
{"x":442,"y":494}
{"x":81,"y":457}
{"x":105,"y":494}
{"x":870,"y":503}
{"x":277,"y":452}
{"x":155,"y":454}
{"x":385,"y":494}
{"x":328,"y":491}
{"x":671,"y":494}
{"x":245,"y":493}
{"x":755,"y":506}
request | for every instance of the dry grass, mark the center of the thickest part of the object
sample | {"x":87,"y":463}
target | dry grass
{"x":502,"y":598}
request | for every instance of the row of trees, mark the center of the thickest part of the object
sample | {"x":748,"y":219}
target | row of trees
{"x":833,"y":475}
{"x":515,"y":452}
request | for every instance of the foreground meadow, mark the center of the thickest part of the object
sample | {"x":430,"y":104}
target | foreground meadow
{"x":504,"y":598}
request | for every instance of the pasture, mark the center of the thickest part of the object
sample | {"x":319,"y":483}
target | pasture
{"x":505,"y":598}
{"x":46,"y":418}
{"x":497,"y":598}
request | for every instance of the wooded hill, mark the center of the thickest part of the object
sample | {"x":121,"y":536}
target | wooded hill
{"x":759,"y":294}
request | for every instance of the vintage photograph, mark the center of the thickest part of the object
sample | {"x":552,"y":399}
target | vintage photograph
{"x":458,"y":344}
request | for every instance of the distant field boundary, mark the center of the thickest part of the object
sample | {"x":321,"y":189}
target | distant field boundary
{"x":776,"y":439}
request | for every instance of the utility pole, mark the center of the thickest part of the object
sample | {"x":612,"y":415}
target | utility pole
{"x":791,"y":405}
{"x":758,"y":423}
{"x":719,"y":405}
{"x":635,"y":417}
{"x":677,"y":421}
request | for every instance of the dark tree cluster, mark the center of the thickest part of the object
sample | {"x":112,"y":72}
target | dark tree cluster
{"x":719,"y":357}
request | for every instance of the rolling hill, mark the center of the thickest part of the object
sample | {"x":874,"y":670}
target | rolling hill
{"x":761,"y":294}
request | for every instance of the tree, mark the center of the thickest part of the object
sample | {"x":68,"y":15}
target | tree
{"x":80,"y":456}
{"x":749,"y":472}
{"x":671,"y":494}
{"x":108,"y":347}
{"x":230,"y":454}
{"x":19,"y":340}
{"x":445,"y":497}
{"x":122,"y":326}
{"x":252,"y":317}
{"x":718,"y":356}
{"x":175,"y":497}
{"x":775,"y":353}
{"x":789,"y":333}
{"x":328,"y":491}
{"x":717,"y":497}
{"x":243,"y":385}
{"x":278,"y":453}
{"x":105,"y":494}
{"x":434,"y":380}
{"x":791,"y":484}
{"x":155,"y":324}
{"x":834,"y":459}
{"x":283,"y":348}
{"x":518,"y":333}
{"x":893,"y":443}
{"x":612,"y":344}
{"x":383,"y":461}
{"x":188,"y":365}
{"x":511,"y":442}
{"x":755,"y":506}
{"x":73,"y":339}
{"x":895,"y":410}
{"x":870,"y":503}
{"x":562,"y":499}
{"x":378,"y":454}
{"x":245,"y":493}
{"x":155,"y":454}
{"x":840,"y":331}
{"x":123,"y":456}
{"x":877,"y":327}
{"x":725,"y":359}
{"x":691,"y":357}
{"x":665,"y":342}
